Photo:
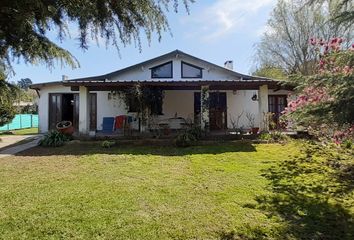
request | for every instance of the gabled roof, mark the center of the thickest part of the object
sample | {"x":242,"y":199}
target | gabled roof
{"x":109,"y":76}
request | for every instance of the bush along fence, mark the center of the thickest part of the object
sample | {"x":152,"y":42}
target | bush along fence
{"x":21,"y":121}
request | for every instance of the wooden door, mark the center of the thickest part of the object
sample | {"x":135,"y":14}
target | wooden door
{"x":217,"y":111}
{"x":55,"y":110}
{"x":76,"y":111}
{"x":93,"y":111}
{"x":276,"y":105}
{"x":197,"y":108}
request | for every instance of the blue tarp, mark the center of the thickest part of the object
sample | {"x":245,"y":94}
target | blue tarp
{"x":21,"y":121}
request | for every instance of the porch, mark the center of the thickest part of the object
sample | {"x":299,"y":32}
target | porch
{"x":212,"y":105}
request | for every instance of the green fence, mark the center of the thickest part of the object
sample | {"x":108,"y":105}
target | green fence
{"x":21,"y":121}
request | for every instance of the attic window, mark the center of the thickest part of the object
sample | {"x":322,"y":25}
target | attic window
{"x":162,"y":71}
{"x":191,"y":71}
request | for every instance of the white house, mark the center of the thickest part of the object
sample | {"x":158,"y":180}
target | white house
{"x":183,"y":79}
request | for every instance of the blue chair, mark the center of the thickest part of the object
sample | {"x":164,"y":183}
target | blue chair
{"x":108,"y":125}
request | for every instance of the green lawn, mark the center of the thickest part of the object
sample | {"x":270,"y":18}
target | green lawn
{"x":224,"y":191}
{"x":26,"y":131}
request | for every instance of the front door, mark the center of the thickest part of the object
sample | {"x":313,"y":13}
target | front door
{"x":217,"y":111}
{"x":63,"y":106}
{"x":276,"y":105}
{"x":76,"y":111}
{"x":55,"y":110}
{"x":93,"y":111}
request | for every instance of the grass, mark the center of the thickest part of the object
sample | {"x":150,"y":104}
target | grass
{"x":224,"y":191}
{"x":26,"y":131}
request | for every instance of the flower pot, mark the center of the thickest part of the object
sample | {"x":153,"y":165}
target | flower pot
{"x":255,"y":130}
{"x":65,"y":127}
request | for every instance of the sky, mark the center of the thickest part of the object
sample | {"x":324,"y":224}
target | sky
{"x":215,"y":31}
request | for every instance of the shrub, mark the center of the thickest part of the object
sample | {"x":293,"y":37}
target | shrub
{"x":278,"y":136}
{"x":274,"y":136}
{"x":265,"y":136}
{"x":107,"y":144}
{"x":189,"y":136}
{"x":347,"y":144}
{"x":185,"y":139}
{"x":196,"y":131}
{"x":54,"y":139}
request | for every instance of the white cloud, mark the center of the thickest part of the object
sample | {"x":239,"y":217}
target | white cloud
{"x":224,"y":17}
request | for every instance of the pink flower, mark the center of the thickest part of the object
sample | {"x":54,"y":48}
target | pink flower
{"x":347,"y":70}
{"x":334,"y":40}
{"x":312,"y":41}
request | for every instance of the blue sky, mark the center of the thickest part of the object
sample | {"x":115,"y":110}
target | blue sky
{"x":216,"y":31}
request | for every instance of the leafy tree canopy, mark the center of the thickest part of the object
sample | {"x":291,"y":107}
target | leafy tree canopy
{"x":291,"y":26}
{"x":343,"y":10}
{"x":24,"y":25}
{"x":270,"y":72}
{"x":8,"y":94}
{"x":324,"y":101}
{"x":24,"y":83}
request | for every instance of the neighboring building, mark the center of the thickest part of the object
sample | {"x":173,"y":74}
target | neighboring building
{"x":87,"y":101}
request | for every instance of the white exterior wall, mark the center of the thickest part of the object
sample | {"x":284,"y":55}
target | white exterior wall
{"x":108,"y":108}
{"x":144,"y":73}
{"x":175,"y":101}
{"x":238,"y":102}
{"x":43,"y":104}
{"x":84,"y":116}
{"x":180,"y":102}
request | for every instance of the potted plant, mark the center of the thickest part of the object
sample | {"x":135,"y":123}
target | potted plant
{"x":65,"y":127}
{"x":251,"y":123}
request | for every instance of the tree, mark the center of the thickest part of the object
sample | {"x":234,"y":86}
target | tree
{"x":8,"y":94}
{"x":26,"y":94}
{"x":24,"y":25}
{"x":291,"y":26}
{"x":24,"y":83}
{"x":324,"y":101}
{"x":270,"y":72}
{"x":343,"y":10}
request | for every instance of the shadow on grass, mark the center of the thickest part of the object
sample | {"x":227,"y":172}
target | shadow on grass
{"x":310,"y":199}
{"x":23,"y":141}
{"x":89,"y":148}
{"x":22,"y":132}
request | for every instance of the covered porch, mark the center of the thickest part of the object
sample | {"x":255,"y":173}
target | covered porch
{"x":212,"y":105}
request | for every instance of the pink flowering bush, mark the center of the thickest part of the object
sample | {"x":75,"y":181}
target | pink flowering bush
{"x":324,"y":103}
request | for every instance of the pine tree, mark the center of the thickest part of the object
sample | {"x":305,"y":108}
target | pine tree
{"x":24,"y":25}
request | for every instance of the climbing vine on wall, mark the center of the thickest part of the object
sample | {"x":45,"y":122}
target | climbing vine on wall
{"x":143,"y":100}
{"x":205,"y":103}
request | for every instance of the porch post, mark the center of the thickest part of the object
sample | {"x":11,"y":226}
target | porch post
{"x":263,"y":107}
{"x":83,"y":110}
{"x":204,"y":111}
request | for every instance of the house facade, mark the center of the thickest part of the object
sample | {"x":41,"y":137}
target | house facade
{"x":194,"y":91}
